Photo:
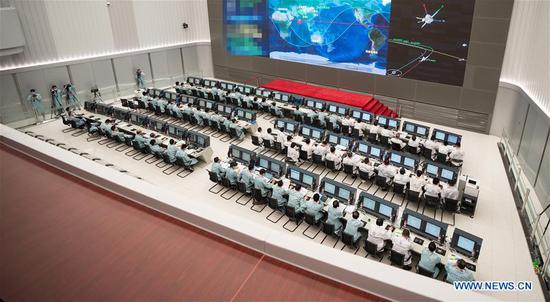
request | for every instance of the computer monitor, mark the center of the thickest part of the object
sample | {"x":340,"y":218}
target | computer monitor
{"x":159,"y":126}
{"x":200,"y":141}
{"x":363,"y":148}
{"x":223,"y":85}
{"x":277,"y":96}
{"x":245,"y":156}
{"x":236,"y":153}
{"x":284,"y":98}
{"x":382,"y":120}
{"x":266,"y":93}
{"x":264,"y":163}
{"x":344,"y":194}
{"x":280,"y":124}
{"x":356,"y":114}
{"x":431,"y":169}
{"x":228,"y":110}
{"x":171,"y":130}
{"x":310,"y":103}
{"x":290,"y":127}
{"x":333,"y":139}
{"x":409,"y":127}
{"x":259,"y":92}
{"x":375,"y":151}
{"x":465,"y":244}
{"x":240,"y":113}
{"x":344,"y":142}
{"x":369,"y":203}
{"x":392,"y":123}
{"x":439,"y":135}
{"x":134,"y":118}
{"x":220,"y":108}
{"x":408,"y":162}
{"x":275,"y":167}
{"x":306,"y":131}
{"x":319,"y":105}
{"x":294,"y":175}
{"x":433,"y":230}
{"x":247,"y":90}
{"x":413,"y":222}
{"x":332,"y":108}
{"x":366,"y":116}
{"x":396,"y":158}
{"x":307,"y":179}
{"x":342,"y":110}
{"x":452,"y":139}
{"x":316,"y":134}
{"x":329,"y":188}
{"x":385,"y":210}
{"x":230,"y":86}
{"x":447,"y":174}
{"x":421,"y":130}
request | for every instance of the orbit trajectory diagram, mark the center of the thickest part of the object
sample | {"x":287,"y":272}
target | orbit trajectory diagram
{"x":429,"y":40}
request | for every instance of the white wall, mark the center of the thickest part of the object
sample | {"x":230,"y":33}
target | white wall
{"x":527,"y":58}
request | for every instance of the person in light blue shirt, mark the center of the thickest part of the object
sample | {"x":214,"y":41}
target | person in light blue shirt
{"x":278,"y":112}
{"x":57,"y":103}
{"x":72,"y":97}
{"x":36,"y":102}
{"x":227,"y":123}
{"x":119,"y":135}
{"x":105,"y":127}
{"x":458,"y":272}
{"x":278,"y":194}
{"x":247,"y":177}
{"x":335,"y":121}
{"x":140,"y":78}
{"x":313,"y":207}
{"x":156,"y":149}
{"x":238,"y":129}
{"x":187,"y":161}
{"x":171,"y":150}
{"x":322,"y":116}
{"x":298,"y":112}
{"x":260,"y":183}
{"x":353,"y":225}
{"x":140,"y":139}
{"x":162,"y":103}
{"x":217,"y":167}
{"x":171,"y":108}
{"x":198,"y":116}
{"x":296,"y":199}
{"x":429,"y":259}
{"x":333,"y":217}
{"x":232,"y":173}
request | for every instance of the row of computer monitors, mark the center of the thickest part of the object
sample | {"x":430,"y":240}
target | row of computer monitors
{"x":422,"y":225}
{"x":152,"y":123}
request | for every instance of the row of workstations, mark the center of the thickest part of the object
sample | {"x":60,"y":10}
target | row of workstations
{"x":375,"y":152}
{"x":425,"y":229}
{"x":132,"y":121}
{"x":290,"y":100}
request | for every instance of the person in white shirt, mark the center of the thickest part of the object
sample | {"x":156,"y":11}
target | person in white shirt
{"x":288,"y":142}
{"x":308,"y":147}
{"x":432,"y":145}
{"x":457,"y":156}
{"x":451,"y":191}
{"x":398,"y":141}
{"x":259,"y":135}
{"x":351,"y":160}
{"x":321,"y":149}
{"x":445,"y":148}
{"x":267,"y":136}
{"x":331,"y":156}
{"x":414,"y":143}
{"x":401,"y":178}
{"x":386,"y":132}
{"x":281,"y":136}
{"x":292,"y":153}
{"x":374,"y":128}
{"x":367,"y":167}
{"x":348,"y":121}
{"x":402,"y":245}
{"x":386,"y":170}
{"x":433,"y":189}
{"x":378,"y":234}
{"x":416,"y":182}
{"x":361,"y":126}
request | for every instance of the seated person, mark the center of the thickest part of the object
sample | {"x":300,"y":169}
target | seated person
{"x":386,"y":132}
{"x":433,"y":189}
{"x":238,"y":129}
{"x":281,"y":135}
{"x":335,"y":121}
{"x":187,"y":161}
{"x":314,"y":207}
{"x":247,"y":177}
{"x":105,"y":127}
{"x":374,"y":128}
{"x":386,"y":170}
{"x":267,"y":136}
{"x":156,"y":150}
{"x":417,"y":182}
{"x":298,"y":112}
{"x":76,"y":121}
{"x":162,"y":103}
{"x":398,"y":141}
{"x":287,"y":143}
{"x":360,"y":126}
{"x":261,"y":183}
{"x":348,"y":121}
{"x":402,"y":245}
{"x":278,"y":194}
{"x":331,"y":156}
{"x":333,"y":217}
{"x":429,"y":259}
{"x":378,"y":234}
{"x":351,"y":160}
{"x":414,"y":143}
{"x":232,"y":173}
{"x":217,"y":168}
{"x":458,"y":272}
{"x":321,"y":149}
{"x":198,"y":116}
{"x":401,"y":178}
{"x":322,"y":117}
{"x":296,"y":199}
{"x":293,"y":155}
{"x":171,"y":150}
{"x":353,"y":225}
{"x":308,"y":147}
{"x":451,"y":191}
{"x":445,"y":148}
{"x":457,"y":156}
{"x":259,"y":135}
{"x":366,"y":166}
{"x":120,"y":135}
{"x":140,"y":139}
{"x":276,"y":110}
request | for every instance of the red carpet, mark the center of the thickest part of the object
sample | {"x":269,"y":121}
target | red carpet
{"x":365,"y":102}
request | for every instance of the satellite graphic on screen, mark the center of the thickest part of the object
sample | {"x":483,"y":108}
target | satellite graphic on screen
{"x":420,"y":39}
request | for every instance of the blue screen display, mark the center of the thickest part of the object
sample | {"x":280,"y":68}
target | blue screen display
{"x":433,"y":229}
{"x":413,"y":222}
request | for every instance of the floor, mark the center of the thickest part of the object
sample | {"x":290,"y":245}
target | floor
{"x":106,"y":248}
{"x":496,"y":219}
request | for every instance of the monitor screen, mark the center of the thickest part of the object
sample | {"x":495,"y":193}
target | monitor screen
{"x":396,"y":158}
{"x":295,"y":175}
{"x":258,"y":92}
{"x":382,"y":120}
{"x":409,"y":127}
{"x":267,"y":93}
{"x":246,"y":156}
{"x":333,"y":139}
{"x":452,"y":139}
{"x":159,"y":125}
{"x":236,"y":153}
{"x":421,"y":131}
{"x":310,"y":103}
{"x":366,"y":116}
{"x":248,"y":115}
{"x":447,"y":174}
{"x":356,"y":114}
{"x":207,"y":82}
{"x":220,"y":108}
{"x":307,"y":179}
{"x":228,"y":110}
{"x":275,"y":167}
{"x":344,"y":142}
{"x":363,"y":148}
{"x":264,"y":163}
{"x":375,"y":152}
{"x":409,"y":162}
{"x":277,"y":96}
{"x":344,"y":194}
{"x":171,"y":130}
{"x":369,"y":203}
{"x":439,"y":135}
{"x":393,"y":123}
{"x":316,"y":134}
{"x":209,"y":105}
{"x":332,"y":108}
{"x":290,"y":127}
{"x":306,"y":131}
{"x":134,"y":118}
{"x":329,"y":188}
{"x":230,"y":86}
{"x":342,"y":110}
{"x":319,"y":105}
{"x":431,"y":169}
{"x":247,"y":90}
{"x":223,"y":85}
{"x":280,"y":124}
{"x":413,"y":222}
{"x":465,"y":244}
{"x":385,"y":210}
{"x":240,"y":113}
{"x":433,"y":229}
{"x":285,"y":98}
{"x":200,"y":141}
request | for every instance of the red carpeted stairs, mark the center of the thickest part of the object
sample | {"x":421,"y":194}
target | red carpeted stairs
{"x":365,"y":102}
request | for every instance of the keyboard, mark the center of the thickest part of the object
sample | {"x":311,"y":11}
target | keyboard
{"x":440,"y":251}
{"x":471,"y":267}
{"x":418,"y":241}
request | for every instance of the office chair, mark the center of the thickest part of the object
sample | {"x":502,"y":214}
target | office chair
{"x":299,"y":118}
{"x":304,"y":156}
{"x":216,"y":180}
{"x":328,"y":229}
{"x":350,"y":171}
{"x":256,"y":141}
{"x":345,"y":129}
{"x":398,"y":189}
{"x":396,"y":258}
{"x":356,"y":133}
{"x":257,"y":196}
{"x":364,"y":176}
{"x":414,"y":197}
{"x":141,"y":104}
{"x":450,"y":205}
{"x":293,"y":216}
{"x":426,"y":153}
{"x":331,"y":165}
{"x":279,"y":148}
{"x":308,"y":120}
{"x":317,"y":123}
{"x":372,"y":138}
{"x":311,"y":221}
{"x":411,"y":149}
{"x":384,"y":141}
{"x":424,"y":272}
{"x":381,"y":182}
{"x":227,"y":184}
{"x":441,"y":158}
{"x":273,"y":204}
{"x":241,"y":187}
{"x":318,"y":159}
{"x":372,"y":249}
{"x":431,"y":202}
{"x":347,"y":240}
{"x":331,"y":127}
{"x":395,"y":146}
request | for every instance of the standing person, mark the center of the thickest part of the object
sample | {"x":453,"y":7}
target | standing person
{"x":140,"y":78}
{"x":57,"y":104}
{"x":72,"y":98}
{"x":36,"y":102}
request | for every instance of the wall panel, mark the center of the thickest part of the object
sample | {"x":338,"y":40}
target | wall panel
{"x":11,"y":106}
